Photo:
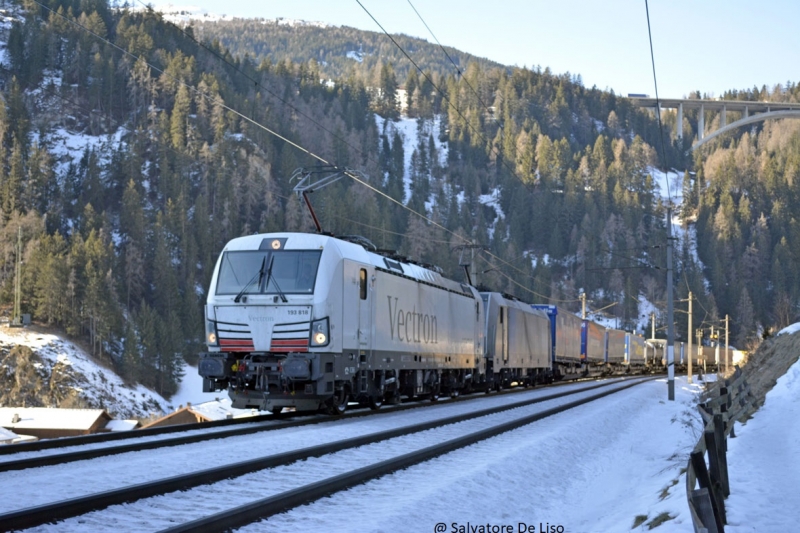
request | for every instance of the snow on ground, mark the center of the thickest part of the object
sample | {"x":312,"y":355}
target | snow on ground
{"x":592,"y":469}
{"x":190,"y":390}
{"x":8,"y":15}
{"x":763,"y":468}
{"x":493,"y":200}
{"x":105,"y":389}
{"x":668,"y":184}
{"x":408,"y":129}
{"x":789,"y":330}
{"x":215,"y":405}
{"x":603,"y":468}
{"x":68,"y":147}
{"x":357,"y":56}
{"x":182,"y":14}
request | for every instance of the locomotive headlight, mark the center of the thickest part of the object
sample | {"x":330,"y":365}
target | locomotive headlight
{"x":211,"y":334}
{"x":320,"y":332}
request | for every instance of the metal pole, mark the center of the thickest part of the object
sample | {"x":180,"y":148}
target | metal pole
{"x":472,"y":267}
{"x":17,"y":319}
{"x":670,"y":325}
{"x":726,"y":344}
{"x":716,"y":354}
{"x":583,"y":305}
{"x":715,"y":340}
{"x":700,"y":348}
{"x":689,"y":334}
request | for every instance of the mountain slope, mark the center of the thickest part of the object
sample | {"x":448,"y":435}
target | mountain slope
{"x":40,"y":369}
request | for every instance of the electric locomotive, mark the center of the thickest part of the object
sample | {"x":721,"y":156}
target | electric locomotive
{"x":310,"y":321}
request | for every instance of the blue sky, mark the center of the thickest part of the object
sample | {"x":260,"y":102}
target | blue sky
{"x":710,"y":46}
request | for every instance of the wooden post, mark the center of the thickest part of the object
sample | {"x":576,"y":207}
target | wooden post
{"x":722,"y":454}
{"x":715,"y":477}
{"x":701,"y":473}
{"x":701,"y":501}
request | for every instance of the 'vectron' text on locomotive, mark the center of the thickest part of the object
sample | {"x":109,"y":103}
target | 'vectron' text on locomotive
{"x":424,"y":327}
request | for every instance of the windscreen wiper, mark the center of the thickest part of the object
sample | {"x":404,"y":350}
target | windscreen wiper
{"x":275,"y":282}
{"x":259,"y":275}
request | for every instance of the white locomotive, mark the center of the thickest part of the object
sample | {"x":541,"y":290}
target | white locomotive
{"x":308,"y":321}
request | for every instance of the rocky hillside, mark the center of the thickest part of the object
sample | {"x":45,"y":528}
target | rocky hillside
{"x":771,"y":360}
{"x":40,"y":369}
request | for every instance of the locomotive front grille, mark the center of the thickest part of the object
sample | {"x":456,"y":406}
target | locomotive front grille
{"x":235,"y":337}
{"x":290,"y":337}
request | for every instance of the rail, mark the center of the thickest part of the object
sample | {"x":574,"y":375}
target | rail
{"x":707,"y":503}
{"x":61,"y":510}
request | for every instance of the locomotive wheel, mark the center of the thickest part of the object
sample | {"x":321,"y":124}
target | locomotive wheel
{"x":434,"y":396}
{"x":276,"y":410}
{"x":375,"y":402}
{"x":337,"y":405}
{"x":393,"y":397}
{"x":454,"y":393}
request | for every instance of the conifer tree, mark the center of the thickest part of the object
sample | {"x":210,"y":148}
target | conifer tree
{"x":12,"y":186}
{"x":131,"y":360}
{"x":179,"y":118}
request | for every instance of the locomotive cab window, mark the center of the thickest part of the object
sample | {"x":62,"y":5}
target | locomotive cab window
{"x":268,"y":272}
{"x":362,"y":283}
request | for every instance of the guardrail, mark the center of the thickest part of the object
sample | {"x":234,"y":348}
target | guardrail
{"x":707,"y":504}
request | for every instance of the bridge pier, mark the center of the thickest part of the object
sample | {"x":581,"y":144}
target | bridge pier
{"x":680,"y":122}
{"x":701,"y":122}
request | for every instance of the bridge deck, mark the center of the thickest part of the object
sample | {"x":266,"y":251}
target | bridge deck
{"x":711,"y":105}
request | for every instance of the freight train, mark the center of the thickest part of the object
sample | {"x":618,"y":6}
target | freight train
{"x":704,"y":358}
{"x":311,"y":321}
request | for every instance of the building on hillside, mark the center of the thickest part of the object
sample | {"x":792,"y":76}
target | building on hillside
{"x":204,"y":412}
{"x":50,"y":423}
{"x":122,"y":425}
{"x":7,"y":437}
{"x":184,"y":415}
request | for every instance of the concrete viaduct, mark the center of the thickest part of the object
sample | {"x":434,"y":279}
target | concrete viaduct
{"x":751,"y":112}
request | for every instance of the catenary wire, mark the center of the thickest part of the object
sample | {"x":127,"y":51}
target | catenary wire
{"x":658,"y":104}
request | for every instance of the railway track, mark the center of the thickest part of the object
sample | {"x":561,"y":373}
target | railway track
{"x":436,"y":437}
{"x":49,"y":452}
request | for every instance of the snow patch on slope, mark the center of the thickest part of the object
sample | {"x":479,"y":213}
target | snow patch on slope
{"x":99,"y":386}
{"x":408,"y":130}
